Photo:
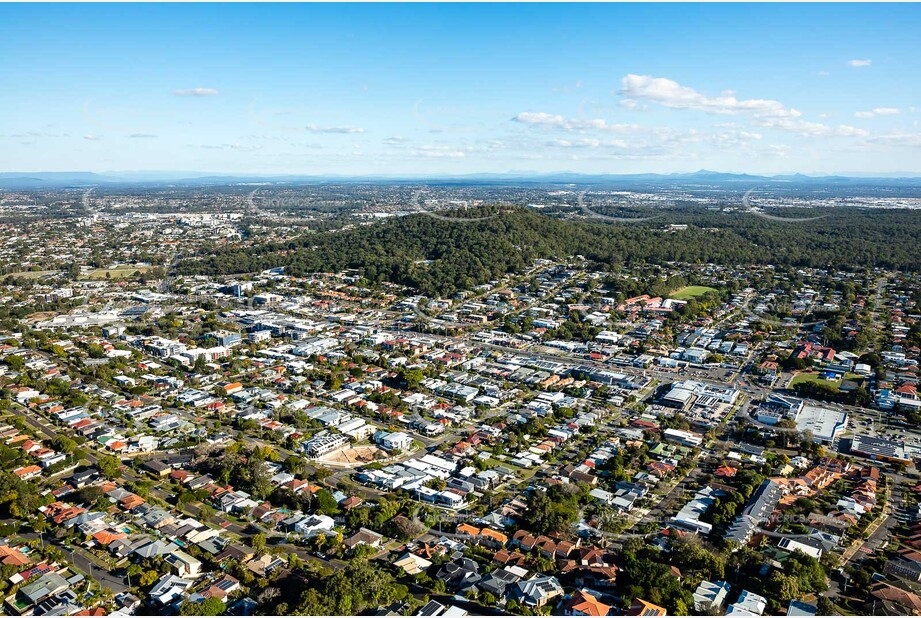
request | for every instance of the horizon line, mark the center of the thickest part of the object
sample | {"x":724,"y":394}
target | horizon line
{"x":521,"y":174}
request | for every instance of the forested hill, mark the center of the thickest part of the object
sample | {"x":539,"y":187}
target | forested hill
{"x":467,"y":253}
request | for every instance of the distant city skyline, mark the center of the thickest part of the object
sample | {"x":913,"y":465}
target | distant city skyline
{"x":423,"y":89}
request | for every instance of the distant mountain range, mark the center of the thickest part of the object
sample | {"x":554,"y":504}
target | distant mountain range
{"x":50,"y":180}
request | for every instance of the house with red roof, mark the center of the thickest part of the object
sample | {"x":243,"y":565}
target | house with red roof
{"x":583,"y":603}
{"x":11,"y":556}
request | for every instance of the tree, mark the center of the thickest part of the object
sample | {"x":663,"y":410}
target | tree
{"x":260,"y":478}
{"x":681,"y":608}
{"x":785,"y":587}
{"x":64,"y":444}
{"x":326,"y":503}
{"x":258,"y":543}
{"x":149,"y":577}
{"x":413,"y":377}
{"x":406,"y":528}
{"x":436,"y":483}
{"x":322,"y":473}
{"x":826,"y":607}
{"x":350,"y":591}
{"x":205,"y":513}
{"x":39,"y":524}
{"x":554,"y":510}
{"x":362,"y":551}
{"x":109,"y":466}
{"x":294,"y":464}
{"x":211,"y":606}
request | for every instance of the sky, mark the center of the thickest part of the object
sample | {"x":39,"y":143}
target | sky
{"x":444,"y":89}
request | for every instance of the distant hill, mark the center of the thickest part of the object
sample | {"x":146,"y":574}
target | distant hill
{"x":27,"y":180}
{"x":38,"y":180}
{"x":441,"y":256}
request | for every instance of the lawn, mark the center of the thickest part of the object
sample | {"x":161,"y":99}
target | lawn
{"x":31,"y":274}
{"x":690,"y":291}
{"x":522,"y":474}
{"x":122,"y":272}
{"x":813,"y":377}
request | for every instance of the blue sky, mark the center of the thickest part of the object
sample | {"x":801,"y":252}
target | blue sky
{"x":417,"y":89}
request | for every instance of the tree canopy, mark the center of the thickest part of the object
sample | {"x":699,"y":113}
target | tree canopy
{"x":443,"y":257}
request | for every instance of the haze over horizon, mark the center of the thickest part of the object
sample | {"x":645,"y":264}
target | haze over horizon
{"x":407,"y":91}
{"x":155,"y":175}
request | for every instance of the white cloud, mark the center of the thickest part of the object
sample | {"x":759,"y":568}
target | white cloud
{"x":540,"y":118}
{"x":878,"y":111}
{"x":343,"y":129}
{"x":777,"y":150}
{"x":587,"y":142}
{"x":814,"y":129}
{"x":766,"y":113}
{"x":234,"y":146}
{"x":440,"y":151}
{"x":735,"y":139}
{"x":92,"y":138}
{"x":898,"y":139}
{"x":34,"y":134}
{"x":669,"y":93}
{"x":396,"y":140}
{"x":860,"y":63}
{"x":142,"y":136}
{"x":557,"y":121}
{"x":196,"y":92}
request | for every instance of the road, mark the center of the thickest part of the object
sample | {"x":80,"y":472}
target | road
{"x":570,"y":360}
{"x":464,"y":326}
{"x":90,"y":565}
{"x":877,"y":301}
{"x":167,"y":282}
{"x":86,"y":562}
{"x":878,"y":532}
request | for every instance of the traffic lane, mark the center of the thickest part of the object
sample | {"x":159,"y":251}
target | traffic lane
{"x":87,"y":563}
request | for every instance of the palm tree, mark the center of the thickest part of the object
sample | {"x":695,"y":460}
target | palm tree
{"x":39,"y":524}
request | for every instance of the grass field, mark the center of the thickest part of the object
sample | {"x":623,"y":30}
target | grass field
{"x":522,"y":474}
{"x":31,"y":274}
{"x":813,"y":377}
{"x":122,"y":272}
{"x":690,"y":291}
